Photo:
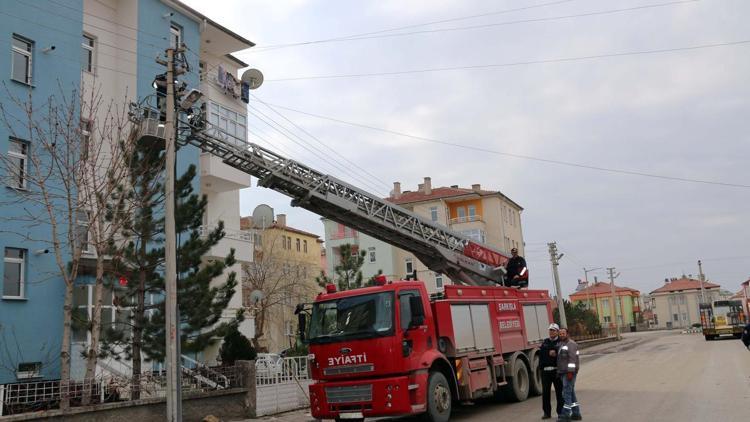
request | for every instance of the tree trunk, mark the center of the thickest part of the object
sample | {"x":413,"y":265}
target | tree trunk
{"x":259,"y":326}
{"x":65,"y":347}
{"x":96,"y":328}
{"x":138,"y":320}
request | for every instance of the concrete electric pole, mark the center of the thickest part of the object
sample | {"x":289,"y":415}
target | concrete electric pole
{"x":613,"y":313}
{"x":174,"y":376}
{"x":702,"y":279}
{"x":555,"y":258}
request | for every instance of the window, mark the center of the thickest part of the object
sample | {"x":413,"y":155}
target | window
{"x":87,"y":53}
{"x":27,"y":370}
{"x":682,"y":300}
{"x":605,"y":303}
{"x":114,"y":314}
{"x":438,"y":280}
{"x":175,"y":35}
{"x":684,"y":316}
{"x":461,"y":212}
{"x":299,"y":243}
{"x":288,"y":328}
{"x":289,"y":243}
{"x":675,"y":317}
{"x":304,"y":246}
{"x":409,"y":266}
{"x":14,"y":273}
{"x":86,"y":127}
{"x":433,"y":214}
{"x":228,"y":121}
{"x":405,"y":307}
{"x":18,"y":153}
{"x":82,"y":232}
{"x":472,"y":212}
{"x":607,"y":319}
{"x":21,"y":59}
{"x":512,"y":217}
{"x":371,"y":253}
{"x":476,"y":235}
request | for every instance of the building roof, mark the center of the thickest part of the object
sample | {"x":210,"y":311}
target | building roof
{"x":604,"y":288}
{"x":684,"y":283}
{"x":201,"y":16}
{"x":443,"y":192}
{"x":246,"y":223}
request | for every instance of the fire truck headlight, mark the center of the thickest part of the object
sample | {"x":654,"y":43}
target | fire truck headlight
{"x":388,"y":397}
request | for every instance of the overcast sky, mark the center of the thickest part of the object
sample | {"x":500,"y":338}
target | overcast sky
{"x":681,"y":113}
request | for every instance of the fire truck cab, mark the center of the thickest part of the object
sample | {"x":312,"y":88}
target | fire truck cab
{"x":392,"y":350}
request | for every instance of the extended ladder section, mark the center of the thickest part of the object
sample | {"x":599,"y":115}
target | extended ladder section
{"x":439,"y":248}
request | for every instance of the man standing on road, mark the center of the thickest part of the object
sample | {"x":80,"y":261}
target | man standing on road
{"x":548,"y":363}
{"x":516,"y":272}
{"x":746,"y":336}
{"x":567,"y":368}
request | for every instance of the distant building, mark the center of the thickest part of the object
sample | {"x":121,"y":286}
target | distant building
{"x":675,"y":304}
{"x":291,"y":259}
{"x":744,"y":296}
{"x":487,"y":216}
{"x":598,"y":298}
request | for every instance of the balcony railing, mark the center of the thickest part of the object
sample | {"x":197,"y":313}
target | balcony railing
{"x":345,"y":235}
{"x":466,"y":219}
{"x":241,"y":235}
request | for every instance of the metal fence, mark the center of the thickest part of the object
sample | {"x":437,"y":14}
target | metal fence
{"x":45,"y":395}
{"x":283,"y":370}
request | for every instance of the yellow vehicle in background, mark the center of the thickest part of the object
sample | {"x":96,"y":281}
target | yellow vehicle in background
{"x":722,"y":318}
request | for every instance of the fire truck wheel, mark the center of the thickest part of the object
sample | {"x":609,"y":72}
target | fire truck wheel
{"x":519,"y":383}
{"x":536,"y":377}
{"x":438,"y":399}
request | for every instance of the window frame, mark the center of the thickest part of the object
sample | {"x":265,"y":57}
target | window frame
{"x":29,"y":54}
{"x":24,"y":157}
{"x":439,"y":282}
{"x":409,"y":263}
{"x":22,"y":273}
{"x":372,"y":254}
{"x":298,"y":243}
{"x":175,"y":30}
{"x":90,"y":47}
{"x":80,"y":223}
{"x":304,"y":245}
{"x":434,"y":214}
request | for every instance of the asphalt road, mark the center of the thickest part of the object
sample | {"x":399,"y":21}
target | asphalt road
{"x":654,"y":376}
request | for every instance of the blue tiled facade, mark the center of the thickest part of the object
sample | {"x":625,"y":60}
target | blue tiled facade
{"x":31,"y":326}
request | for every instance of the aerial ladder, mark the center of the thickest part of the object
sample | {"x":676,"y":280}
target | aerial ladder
{"x":441,"y":249}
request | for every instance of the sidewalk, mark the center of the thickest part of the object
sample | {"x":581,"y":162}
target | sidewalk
{"x":302,"y":415}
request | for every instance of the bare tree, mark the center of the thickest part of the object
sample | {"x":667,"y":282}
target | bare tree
{"x":63,"y":181}
{"x":280,"y":279}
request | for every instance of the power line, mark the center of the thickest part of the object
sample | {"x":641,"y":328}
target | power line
{"x":512,"y":64}
{"x":346,"y":37}
{"x":322,"y":143}
{"x":525,"y":157}
{"x":310,"y":148}
{"x":507,"y":23}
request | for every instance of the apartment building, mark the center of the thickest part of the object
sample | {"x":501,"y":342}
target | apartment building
{"x":487,"y":216}
{"x":598,"y":298}
{"x":675,"y":304}
{"x":285,"y":265}
{"x":105,"y":48}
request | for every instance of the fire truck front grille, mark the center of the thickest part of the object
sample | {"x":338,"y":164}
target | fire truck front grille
{"x":351,"y":369}
{"x":349,"y":394}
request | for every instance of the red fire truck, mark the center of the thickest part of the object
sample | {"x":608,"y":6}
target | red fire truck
{"x":391,"y":349}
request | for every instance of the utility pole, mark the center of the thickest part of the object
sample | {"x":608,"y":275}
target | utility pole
{"x":703,"y":279}
{"x":613,"y":313}
{"x":555,"y":258}
{"x":174,"y":376}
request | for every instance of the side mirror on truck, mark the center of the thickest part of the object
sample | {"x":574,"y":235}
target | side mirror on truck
{"x":417,"y":312}
{"x":301,"y":321}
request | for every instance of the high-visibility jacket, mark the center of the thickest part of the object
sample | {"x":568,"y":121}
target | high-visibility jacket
{"x":567,"y":357}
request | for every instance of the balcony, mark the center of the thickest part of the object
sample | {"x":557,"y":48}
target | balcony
{"x":240,"y":240}
{"x":465,"y":219}
{"x":219,"y":177}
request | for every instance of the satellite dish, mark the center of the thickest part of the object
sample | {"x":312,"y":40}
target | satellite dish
{"x":262,"y":216}
{"x":256,"y":296}
{"x":252,"y":77}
